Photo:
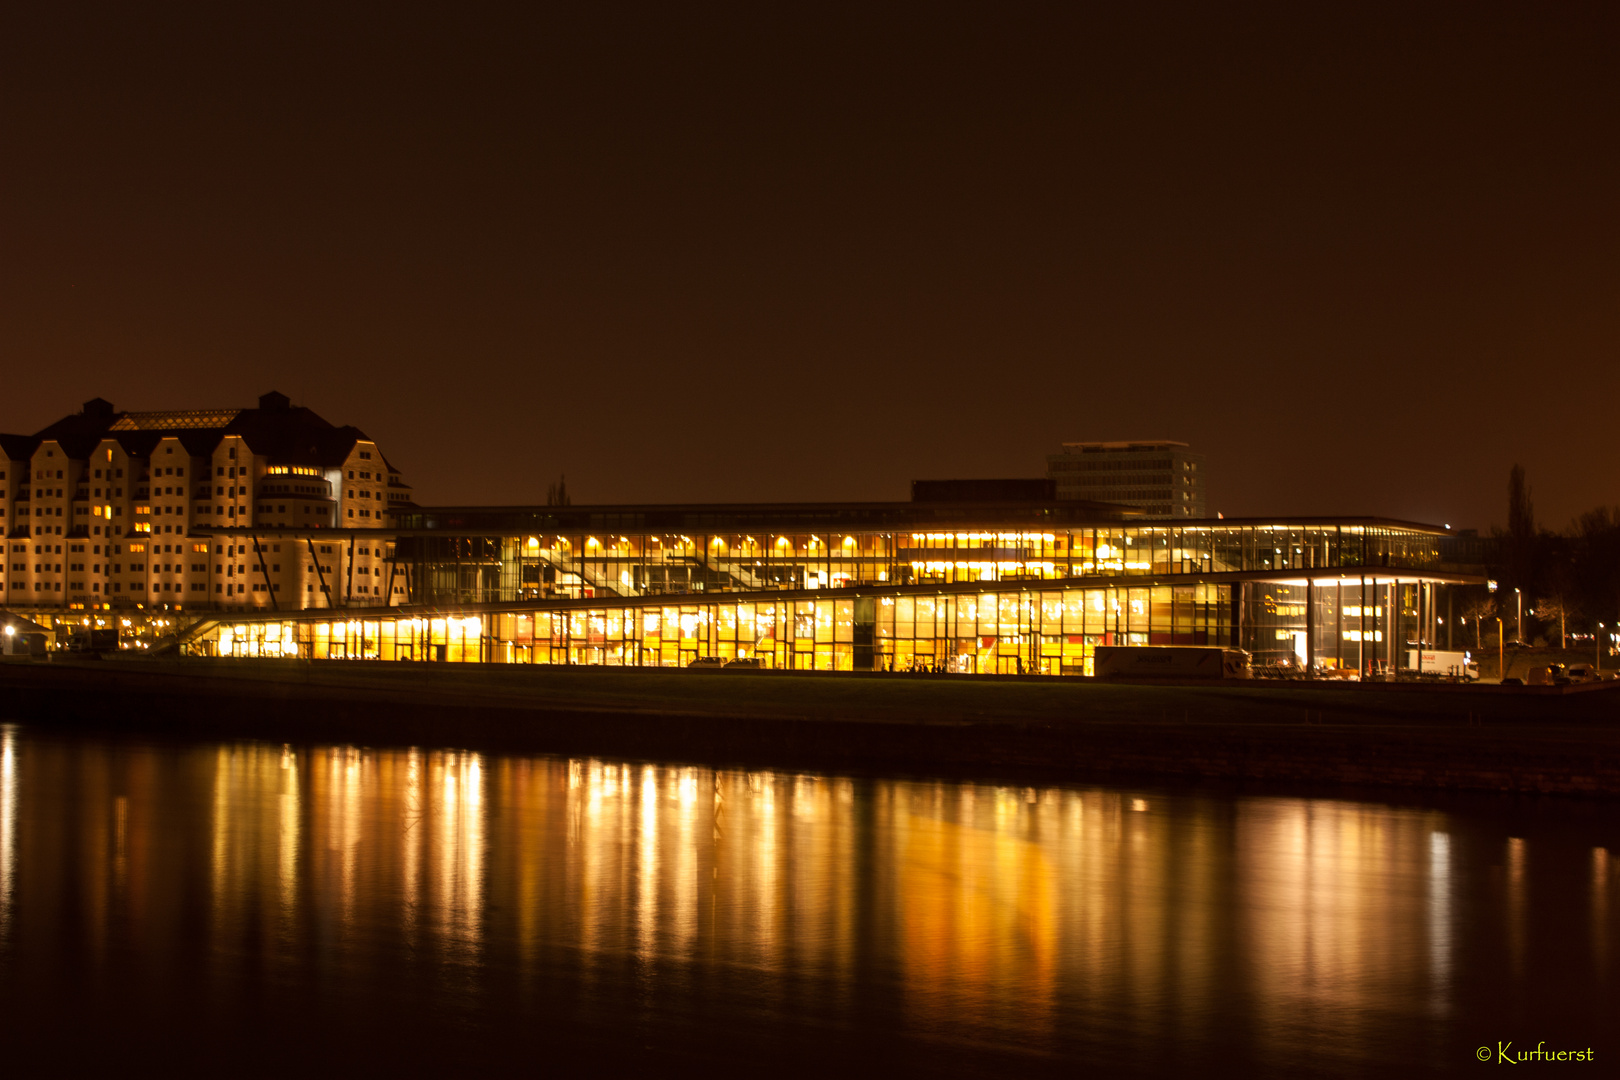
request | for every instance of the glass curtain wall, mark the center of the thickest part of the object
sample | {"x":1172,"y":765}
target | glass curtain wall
{"x":448,"y":571}
{"x":1354,"y":624}
{"x":1017,"y":631}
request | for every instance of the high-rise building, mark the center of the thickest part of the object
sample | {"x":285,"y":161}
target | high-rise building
{"x":1161,"y":478}
{"x":271,"y":508}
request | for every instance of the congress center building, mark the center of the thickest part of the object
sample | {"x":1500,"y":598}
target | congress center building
{"x":968,"y":577}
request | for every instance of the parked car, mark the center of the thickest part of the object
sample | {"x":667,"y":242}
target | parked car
{"x":1584,"y":673}
{"x":1548,"y":675}
{"x":749,"y":663}
{"x":707,"y":663}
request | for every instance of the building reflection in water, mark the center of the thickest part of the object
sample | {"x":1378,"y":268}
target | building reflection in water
{"x":8,"y":823}
{"x":1516,"y":903}
{"x":1601,"y":873}
{"x":1027,"y":919}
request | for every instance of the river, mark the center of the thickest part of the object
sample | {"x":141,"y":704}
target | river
{"x":249,"y":907}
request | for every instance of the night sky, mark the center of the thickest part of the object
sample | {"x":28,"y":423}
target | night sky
{"x":1364,"y":260}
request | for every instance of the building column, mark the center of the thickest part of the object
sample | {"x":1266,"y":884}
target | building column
{"x":1417,"y":623}
{"x":1338,"y":625}
{"x":1361,"y":642}
{"x":1310,"y":624}
{"x":1240,"y":597}
{"x":1392,"y":616}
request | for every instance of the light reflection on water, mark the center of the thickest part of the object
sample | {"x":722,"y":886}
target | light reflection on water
{"x":688,"y":912}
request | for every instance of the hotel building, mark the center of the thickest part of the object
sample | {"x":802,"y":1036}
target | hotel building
{"x":1161,"y":479}
{"x":268,"y":508}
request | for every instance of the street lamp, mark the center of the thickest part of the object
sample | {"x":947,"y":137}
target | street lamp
{"x":1597,"y":649}
{"x":1518,"y":619}
{"x":1501,"y":660}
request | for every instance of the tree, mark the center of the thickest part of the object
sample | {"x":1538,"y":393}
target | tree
{"x":1521,"y":529}
{"x":1479,"y":608}
{"x":1556,"y":607}
{"x":557,"y":494}
{"x":1521,"y":511}
{"x":1558,"y":601}
{"x":1595,"y":563}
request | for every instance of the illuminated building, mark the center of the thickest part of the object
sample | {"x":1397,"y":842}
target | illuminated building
{"x":1162,"y":479}
{"x":271,"y":507}
{"x":268,"y":531}
{"x":990,"y":587}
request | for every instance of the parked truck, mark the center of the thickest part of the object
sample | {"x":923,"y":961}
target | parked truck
{"x":1170,"y":662}
{"x":1455,"y":665}
{"x":93,"y":641}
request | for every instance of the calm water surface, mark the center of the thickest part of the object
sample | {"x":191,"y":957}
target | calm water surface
{"x":245,"y":907}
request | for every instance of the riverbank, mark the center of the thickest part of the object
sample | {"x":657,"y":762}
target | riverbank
{"x":1464,"y":738}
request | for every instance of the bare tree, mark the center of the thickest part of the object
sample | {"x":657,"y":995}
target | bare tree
{"x":1479,"y":608}
{"x":1560,"y":599}
{"x":557,"y":494}
{"x":1556,"y":607}
{"x":1521,"y":530}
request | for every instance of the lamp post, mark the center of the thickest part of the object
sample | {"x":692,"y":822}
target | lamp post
{"x":1597,"y":649}
{"x":1501,"y":653}
{"x":1518,"y":619}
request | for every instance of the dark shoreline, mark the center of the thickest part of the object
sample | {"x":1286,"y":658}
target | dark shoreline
{"x":1437,"y":739}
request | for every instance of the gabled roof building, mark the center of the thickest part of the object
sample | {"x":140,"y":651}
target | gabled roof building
{"x":190,"y":509}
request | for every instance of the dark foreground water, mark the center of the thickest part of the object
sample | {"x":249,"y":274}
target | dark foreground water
{"x":244,"y":907}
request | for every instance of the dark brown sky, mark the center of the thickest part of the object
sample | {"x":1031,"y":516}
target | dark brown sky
{"x":1364,"y":260}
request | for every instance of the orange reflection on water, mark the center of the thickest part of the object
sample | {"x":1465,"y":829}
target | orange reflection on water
{"x":8,"y":823}
{"x":978,"y":905}
{"x":1024,"y":919}
{"x":1342,"y":916}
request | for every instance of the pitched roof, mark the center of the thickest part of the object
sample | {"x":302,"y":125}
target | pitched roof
{"x":21,"y":625}
{"x":18,"y":447}
{"x":278,"y":430}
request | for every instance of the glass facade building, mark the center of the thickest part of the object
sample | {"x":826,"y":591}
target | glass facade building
{"x":975,"y":588}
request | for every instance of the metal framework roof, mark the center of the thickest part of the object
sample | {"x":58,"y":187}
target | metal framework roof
{"x":181,"y":420}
